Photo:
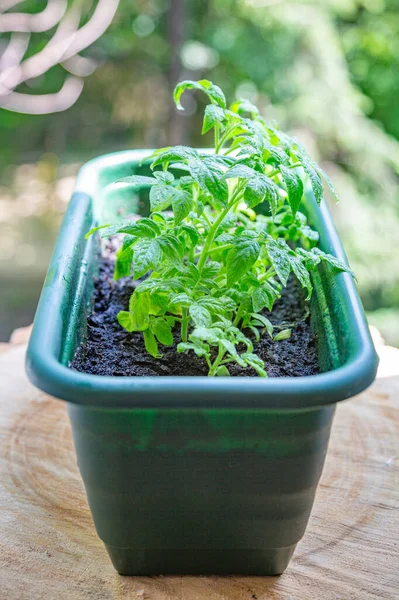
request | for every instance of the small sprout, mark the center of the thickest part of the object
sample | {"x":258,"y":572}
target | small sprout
{"x":209,"y":264}
{"x":284,"y":334}
{"x":222,"y":371}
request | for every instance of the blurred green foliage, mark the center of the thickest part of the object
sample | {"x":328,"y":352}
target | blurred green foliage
{"x":328,"y":71}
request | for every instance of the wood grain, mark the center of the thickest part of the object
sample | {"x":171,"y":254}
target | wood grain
{"x":49,"y":549}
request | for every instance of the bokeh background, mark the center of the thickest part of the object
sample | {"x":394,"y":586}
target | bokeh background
{"x":98,"y":74}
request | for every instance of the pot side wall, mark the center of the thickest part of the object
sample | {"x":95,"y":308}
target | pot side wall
{"x":200,"y":491}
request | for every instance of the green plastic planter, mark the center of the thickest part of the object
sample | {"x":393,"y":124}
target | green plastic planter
{"x":194,"y":474}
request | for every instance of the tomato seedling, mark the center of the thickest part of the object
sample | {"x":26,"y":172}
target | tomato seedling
{"x":211,"y":263}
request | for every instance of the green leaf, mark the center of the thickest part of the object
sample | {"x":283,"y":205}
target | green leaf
{"x":171,"y":248}
{"x":163,"y":285}
{"x":208,"y":176}
{"x":159,"y":303}
{"x":211,"y":335}
{"x":161,"y":196}
{"x":200,"y":315}
{"x":126,"y":320}
{"x":162,"y":331}
{"x":212,"y":116}
{"x":159,"y":217}
{"x":142,"y":228}
{"x":137,"y":180}
{"x":228,"y":303}
{"x":199,"y":347}
{"x":94,"y":229}
{"x":207,"y":285}
{"x":113,"y":229}
{"x":278,"y":252}
{"x":228,"y":222}
{"x":192,"y":233}
{"x":263,"y":297}
{"x":139,"y":306}
{"x":240,"y":171}
{"x":213,"y":92}
{"x":219,"y":160}
{"x":252,"y":360}
{"x":123,"y":263}
{"x":136,"y":319}
{"x":302,"y":273}
{"x":315,"y":256}
{"x":250,"y":280}
{"x":181,"y":299}
{"x":186,"y":182}
{"x":294,"y":187}
{"x":328,"y":181}
{"x":190,"y":273}
{"x":278,"y":156}
{"x":314,"y":177}
{"x":182,"y":202}
{"x":240,"y":258}
{"x":184,"y":346}
{"x":148,"y":285}
{"x":214,"y":305}
{"x":222,"y":371}
{"x":309,"y":234}
{"x":244,"y":106}
{"x":261,"y":188}
{"x":147,"y":256}
{"x":210,"y":269}
{"x":337,"y":264}
{"x":151,"y":343}
{"x":128,"y":241}
{"x":164,"y":176}
{"x":264,"y":322}
{"x":255,"y":331}
{"x":173,"y":154}
{"x":224,"y":238}
{"x":231,"y":349}
{"x":284,"y":334}
{"x":200,"y":208}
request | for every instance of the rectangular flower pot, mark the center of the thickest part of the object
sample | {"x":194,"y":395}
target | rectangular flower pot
{"x":194,"y":474}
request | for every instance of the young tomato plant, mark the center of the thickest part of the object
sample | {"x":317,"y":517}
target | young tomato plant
{"x":211,"y":264}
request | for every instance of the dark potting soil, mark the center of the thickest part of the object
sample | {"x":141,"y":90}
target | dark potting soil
{"x":110,"y":350}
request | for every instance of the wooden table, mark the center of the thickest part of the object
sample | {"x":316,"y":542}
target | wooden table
{"x":49,"y":549}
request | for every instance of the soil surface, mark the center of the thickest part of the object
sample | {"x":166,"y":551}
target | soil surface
{"x":110,"y":350}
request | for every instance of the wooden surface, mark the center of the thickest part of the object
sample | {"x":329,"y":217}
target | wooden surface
{"x":49,"y":549}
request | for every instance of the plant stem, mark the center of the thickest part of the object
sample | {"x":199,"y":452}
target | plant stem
{"x":206,"y":219}
{"x":238,"y":315}
{"x":269,"y":273}
{"x":195,"y":193}
{"x":228,"y":151}
{"x":223,"y":139}
{"x":217,"y":146}
{"x":184,"y":325}
{"x":219,"y":357}
{"x":235,"y":198}
{"x":277,"y":171}
{"x":215,"y":249}
{"x":210,"y":237}
{"x":220,"y":142}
